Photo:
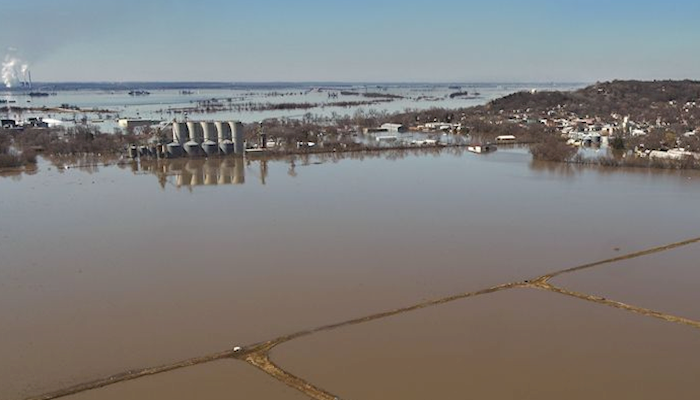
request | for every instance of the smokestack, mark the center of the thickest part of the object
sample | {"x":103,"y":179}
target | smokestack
{"x":23,"y":80}
{"x":29,"y":79}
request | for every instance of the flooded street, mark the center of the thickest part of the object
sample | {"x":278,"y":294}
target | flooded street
{"x":664,"y":282}
{"x":222,"y":380}
{"x":114,"y":268}
{"x":516,"y":344}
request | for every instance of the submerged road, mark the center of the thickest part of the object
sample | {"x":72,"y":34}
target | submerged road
{"x":258,"y":355}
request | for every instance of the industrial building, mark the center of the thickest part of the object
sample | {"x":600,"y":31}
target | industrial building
{"x":397,"y":128}
{"x":206,"y":138}
{"x":127,"y":123}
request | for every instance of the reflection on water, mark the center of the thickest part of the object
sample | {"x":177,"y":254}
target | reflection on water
{"x":572,"y":170}
{"x":195,"y":172}
{"x":559,"y":169}
{"x":190,"y":173}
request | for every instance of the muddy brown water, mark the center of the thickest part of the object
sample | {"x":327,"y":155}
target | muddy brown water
{"x":118,"y":267}
{"x":665,"y":282}
{"x":222,"y":380}
{"x":515,"y":344}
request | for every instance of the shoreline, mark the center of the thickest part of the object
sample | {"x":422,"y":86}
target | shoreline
{"x":277,"y":155}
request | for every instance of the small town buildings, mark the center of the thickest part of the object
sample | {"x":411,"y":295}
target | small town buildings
{"x":8,"y":123}
{"x":390,"y":127}
{"x":673,"y":154}
{"x":126,"y":123}
{"x":441,"y":126}
{"x":505,"y":138}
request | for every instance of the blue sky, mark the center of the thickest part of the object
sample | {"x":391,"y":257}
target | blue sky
{"x":361,"y":40}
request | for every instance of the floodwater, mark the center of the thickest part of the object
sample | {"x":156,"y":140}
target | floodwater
{"x":110,"y":268}
{"x":517,"y":344}
{"x":162,"y":104}
{"x":222,"y":380}
{"x":665,"y":282}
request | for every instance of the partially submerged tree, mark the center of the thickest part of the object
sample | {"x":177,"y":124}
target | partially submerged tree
{"x":553,"y":148}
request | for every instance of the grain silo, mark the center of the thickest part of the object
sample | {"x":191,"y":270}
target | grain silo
{"x":193,"y":146}
{"x":181,"y":133}
{"x":210,"y":148}
{"x":195,"y":132}
{"x":209,"y":145}
{"x":209,"y":131}
{"x":174,"y":150}
{"x":223,"y":130}
{"x":238,"y":141}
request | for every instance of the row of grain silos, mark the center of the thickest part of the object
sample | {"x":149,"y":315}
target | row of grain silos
{"x":207,"y":139}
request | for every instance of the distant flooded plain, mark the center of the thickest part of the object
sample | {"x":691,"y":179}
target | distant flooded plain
{"x":112,"y":268}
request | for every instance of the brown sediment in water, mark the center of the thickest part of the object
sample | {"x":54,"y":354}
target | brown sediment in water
{"x":616,"y":304}
{"x":258,"y":355}
{"x":515,"y":344}
{"x":217,"y":380}
{"x":261,"y":360}
{"x":665,"y":281}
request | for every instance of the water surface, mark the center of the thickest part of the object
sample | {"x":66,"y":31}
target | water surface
{"x":118,"y":267}
{"x":518,"y":344}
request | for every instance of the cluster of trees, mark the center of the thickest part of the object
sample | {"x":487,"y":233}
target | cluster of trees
{"x":11,"y":156}
{"x":74,"y":140}
{"x":18,"y":148}
{"x":375,"y":95}
{"x":553,"y":148}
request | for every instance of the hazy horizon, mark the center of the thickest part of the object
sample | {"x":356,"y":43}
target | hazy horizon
{"x":382,"y":41}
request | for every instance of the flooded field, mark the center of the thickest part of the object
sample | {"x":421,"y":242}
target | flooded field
{"x":120,"y":267}
{"x":164,"y":104}
{"x":665,"y":282}
{"x":220,"y":380}
{"x":517,"y":344}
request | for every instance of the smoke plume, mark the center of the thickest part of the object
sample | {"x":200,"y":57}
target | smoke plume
{"x":14,"y":71}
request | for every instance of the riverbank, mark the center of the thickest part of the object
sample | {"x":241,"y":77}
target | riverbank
{"x":556,"y":123}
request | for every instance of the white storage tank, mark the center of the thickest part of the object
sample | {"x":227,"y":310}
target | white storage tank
{"x":174,"y":150}
{"x":226,"y":147}
{"x":192,"y":148}
{"x":223,"y":130}
{"x":195,"y":132}
{"x":210,"y":148}
{"x":209,"y":132}
{"x":238,"y":141}
{"x":181,"y":133}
